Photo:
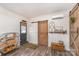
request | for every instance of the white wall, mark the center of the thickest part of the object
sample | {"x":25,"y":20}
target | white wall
{"x":33,"y":28}
{"x":9,"y":21}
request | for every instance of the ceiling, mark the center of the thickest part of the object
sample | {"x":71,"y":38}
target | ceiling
{"x":30,"y":10}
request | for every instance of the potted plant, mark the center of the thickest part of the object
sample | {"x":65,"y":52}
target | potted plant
{"x":72,"y":20}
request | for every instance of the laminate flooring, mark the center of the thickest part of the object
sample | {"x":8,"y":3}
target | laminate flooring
{"x":40,"y":51}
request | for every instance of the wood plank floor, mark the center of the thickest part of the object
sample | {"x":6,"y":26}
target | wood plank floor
{"x":40,"y":51}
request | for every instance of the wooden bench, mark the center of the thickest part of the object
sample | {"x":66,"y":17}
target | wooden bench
{"x":57,"y":46}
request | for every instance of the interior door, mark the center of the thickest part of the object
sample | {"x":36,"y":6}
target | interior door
{"x":23,"y":32}
{"x":43,"y":33}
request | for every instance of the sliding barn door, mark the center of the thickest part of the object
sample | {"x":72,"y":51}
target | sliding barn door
{"x":43,"y":33}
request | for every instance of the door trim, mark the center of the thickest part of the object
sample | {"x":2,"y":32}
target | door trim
{"x":47,"y":32}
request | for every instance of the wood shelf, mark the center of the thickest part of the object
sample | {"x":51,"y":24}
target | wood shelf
{"x":63,"y":32}
{"x":9,"y":48}
{"x":8,"y":44}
